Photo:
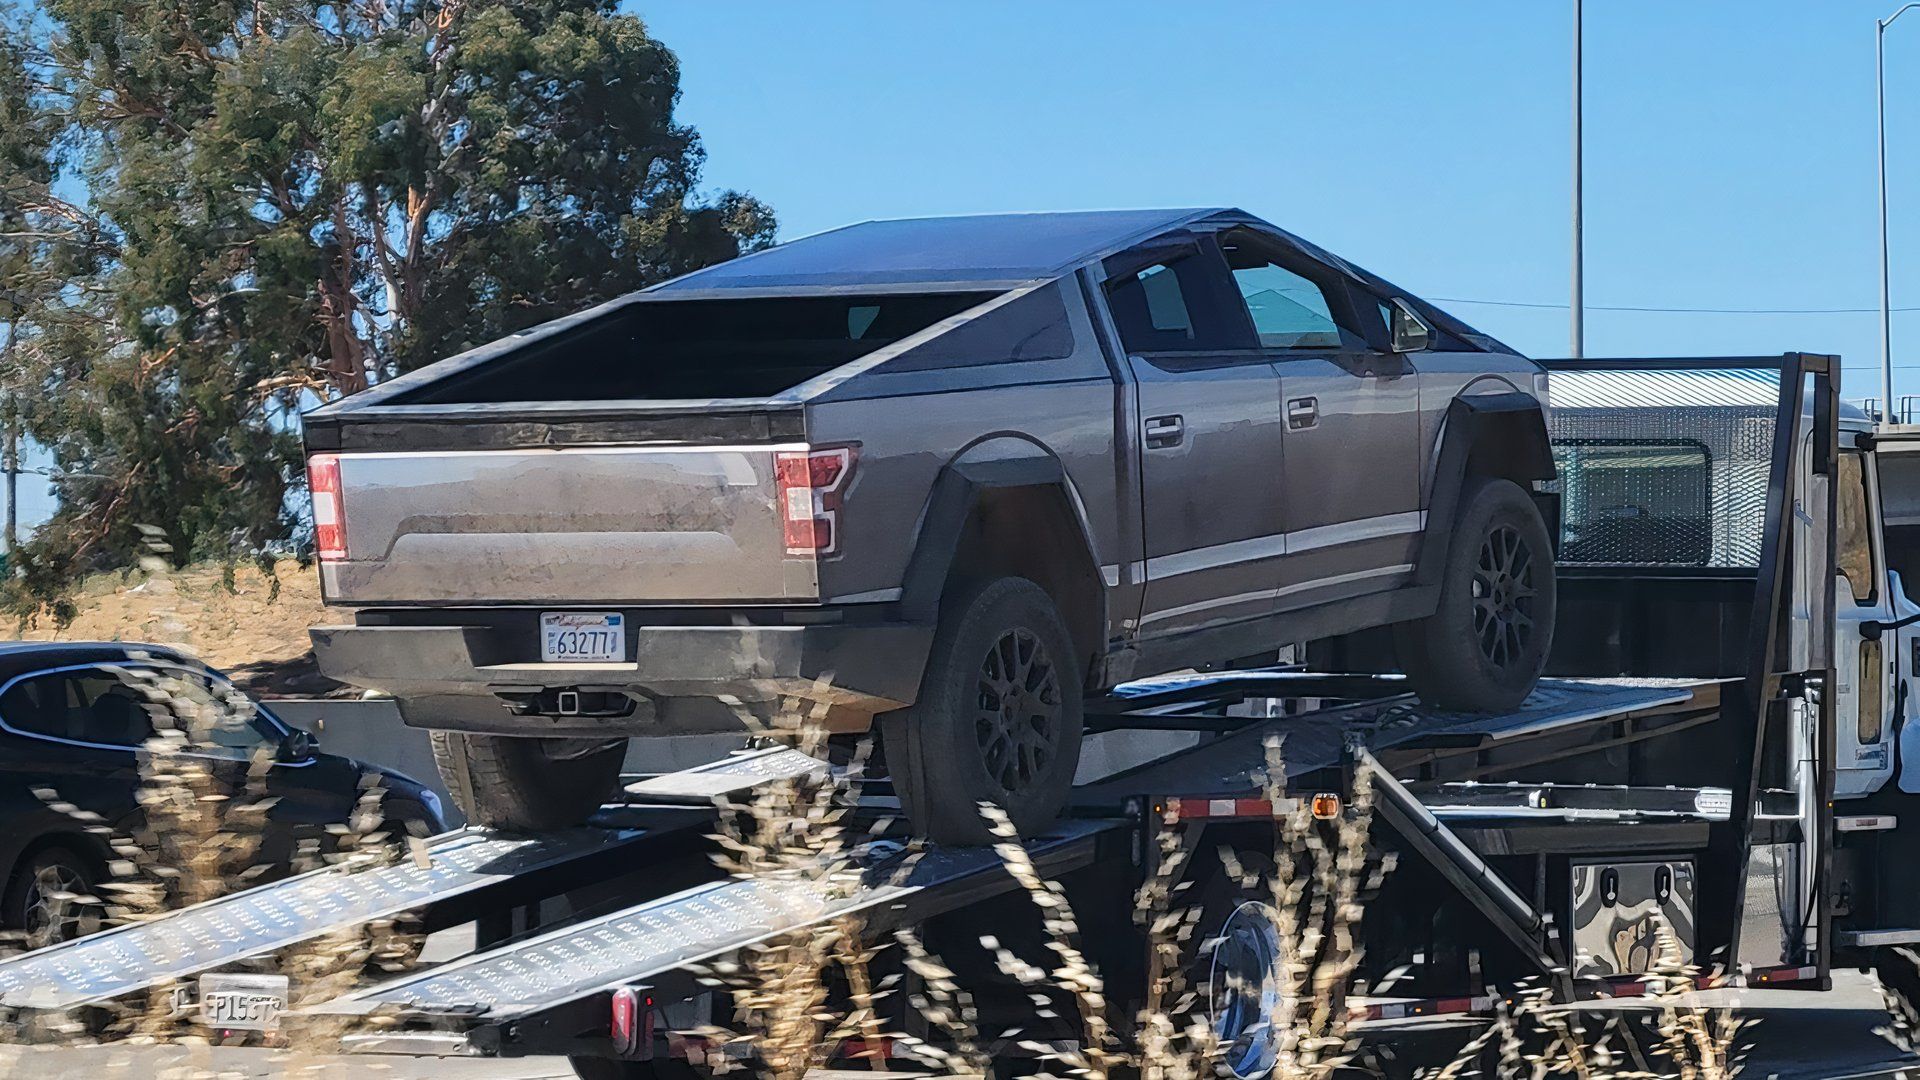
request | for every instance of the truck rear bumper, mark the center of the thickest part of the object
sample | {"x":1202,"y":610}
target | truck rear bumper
{"x":460,"y":678}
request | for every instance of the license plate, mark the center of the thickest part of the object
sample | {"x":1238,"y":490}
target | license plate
{"x":243,"y":1002}
{"x":582,"y":636}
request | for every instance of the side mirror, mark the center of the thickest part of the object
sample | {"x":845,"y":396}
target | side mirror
{"x":298,"y":745}
{"x":1409,"y":333}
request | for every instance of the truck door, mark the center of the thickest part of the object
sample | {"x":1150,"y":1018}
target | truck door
{"x":1896,"y":475}
{"x":1209,"y":443}
{"x":1863,"y":739}
{"x":1350,"y":464}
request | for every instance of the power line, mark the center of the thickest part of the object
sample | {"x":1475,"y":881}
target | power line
{"x":1676,"y":310}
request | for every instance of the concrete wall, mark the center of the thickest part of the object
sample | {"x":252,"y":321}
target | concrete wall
{"x":372,"y":731}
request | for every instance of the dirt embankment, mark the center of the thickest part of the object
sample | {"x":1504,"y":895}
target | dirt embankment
{"x":235,"y":622}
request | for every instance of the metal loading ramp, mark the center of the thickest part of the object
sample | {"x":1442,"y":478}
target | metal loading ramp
{"x":640,"y":944}
{"x":261,"y":920}
{"x":470,"y":864}
{"x":1234,"y":764}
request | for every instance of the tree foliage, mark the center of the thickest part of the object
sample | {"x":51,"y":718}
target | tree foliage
{"x":279,"y":201}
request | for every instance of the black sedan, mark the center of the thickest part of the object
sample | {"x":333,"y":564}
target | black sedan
{"x":88,"y":729}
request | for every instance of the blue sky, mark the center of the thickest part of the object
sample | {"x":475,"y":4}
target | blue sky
{"x":1730,"y":152}
{"x":1729,"y":147}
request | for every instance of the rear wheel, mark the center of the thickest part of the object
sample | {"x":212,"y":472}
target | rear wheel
{"x":998,"y":720}
{"x":527,"y":783}
{"x":1483,"y":649}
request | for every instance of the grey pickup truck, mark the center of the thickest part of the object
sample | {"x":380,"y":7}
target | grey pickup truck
{"x":942,"y":478}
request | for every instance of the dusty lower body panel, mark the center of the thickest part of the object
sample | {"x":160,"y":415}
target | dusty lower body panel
{"x":677,"y":679}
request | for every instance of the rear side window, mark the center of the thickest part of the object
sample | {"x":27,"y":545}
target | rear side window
{"x":81,"y":706}
{"x":1033,"y":327}
{"x":1184,"y":304}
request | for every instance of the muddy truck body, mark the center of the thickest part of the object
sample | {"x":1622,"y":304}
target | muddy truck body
{"x":847,"y":469}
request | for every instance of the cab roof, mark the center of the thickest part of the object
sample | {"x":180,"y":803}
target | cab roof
{"x":983,"y":249}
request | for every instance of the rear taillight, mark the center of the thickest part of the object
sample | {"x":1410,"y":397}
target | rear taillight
{"x":631,"y":1023}
{"x":810,"y":484}
{"x":329,"y":509}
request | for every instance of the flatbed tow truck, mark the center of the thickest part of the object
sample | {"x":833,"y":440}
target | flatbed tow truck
{"x":1675,"y":778}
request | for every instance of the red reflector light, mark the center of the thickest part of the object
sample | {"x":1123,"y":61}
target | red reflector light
{"x":810,"y":483}
{"x":626,"y":1024}
{"x":329,"y":508}
{"x":1326,"y":807}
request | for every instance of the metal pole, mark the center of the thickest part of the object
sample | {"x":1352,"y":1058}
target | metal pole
{"x":1886,"y":314}
{"x":1577,"y":306}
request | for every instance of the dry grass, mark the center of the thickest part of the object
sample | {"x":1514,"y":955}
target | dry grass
{"x":241,"y":619}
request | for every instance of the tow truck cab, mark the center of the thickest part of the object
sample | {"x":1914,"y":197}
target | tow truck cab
{"x":1875,"y":896}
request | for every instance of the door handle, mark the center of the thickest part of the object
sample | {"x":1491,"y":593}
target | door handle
{"x":1165,"y":431}
{"x":1302,"y":413}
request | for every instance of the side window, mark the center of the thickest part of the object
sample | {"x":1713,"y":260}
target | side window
{"x":1183,"y":304}
{"x":42,"y":705}
{"x":1853,"y":528}
{"x":93,"y":706}
{"x":1289,"y":311}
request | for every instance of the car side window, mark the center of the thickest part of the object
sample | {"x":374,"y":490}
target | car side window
{"x":41,"y":705}
{"x":1181,"y":304}
{"x":89,"y":706}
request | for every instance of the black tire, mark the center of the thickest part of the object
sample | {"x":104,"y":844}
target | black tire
{"x":51,"y":898}
{"x":1483,"y":649}
{"x":973,"y":736}
{"x":505,"y":782}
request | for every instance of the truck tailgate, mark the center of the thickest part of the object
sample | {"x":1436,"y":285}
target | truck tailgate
{"x":588,"y":525}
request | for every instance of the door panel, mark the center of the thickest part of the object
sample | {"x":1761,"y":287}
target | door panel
{"x":1351,"y":473}
{"x":1211,"y":471}
{"x":1350,"y":445}
{"x":1863,"y":668}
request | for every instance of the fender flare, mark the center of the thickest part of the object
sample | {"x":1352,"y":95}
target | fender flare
{"x":958,"y":489}
{"x":1508,"y":428}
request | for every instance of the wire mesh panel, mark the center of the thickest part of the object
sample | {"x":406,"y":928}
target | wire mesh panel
{"x":1664,"y":467}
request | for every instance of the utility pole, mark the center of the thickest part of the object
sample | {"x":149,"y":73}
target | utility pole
{"x":1577,"y":305}
{"x":1886,"y":312}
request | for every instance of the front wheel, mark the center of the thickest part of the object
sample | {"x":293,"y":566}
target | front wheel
{"x":508,"y":782}
{"x":998,"y":719}
{"x":1484,"y":647}
{"x":51,"y":899}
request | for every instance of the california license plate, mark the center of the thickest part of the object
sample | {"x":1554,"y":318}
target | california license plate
{"x":582,"y":636}
{"x":243,"y":1002}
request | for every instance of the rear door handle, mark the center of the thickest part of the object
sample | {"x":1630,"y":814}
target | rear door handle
{"x":1303,"y":412}
{"x":1165,"y":431}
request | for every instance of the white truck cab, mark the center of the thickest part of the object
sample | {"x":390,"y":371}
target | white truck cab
{"x":1878,"y":538}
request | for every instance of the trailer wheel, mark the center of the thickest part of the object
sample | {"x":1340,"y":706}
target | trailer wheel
{"x":1898,"y":972}
{"x":1483,"y":649}
{"x":998,"y":720}
{"x":526,"y":783}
